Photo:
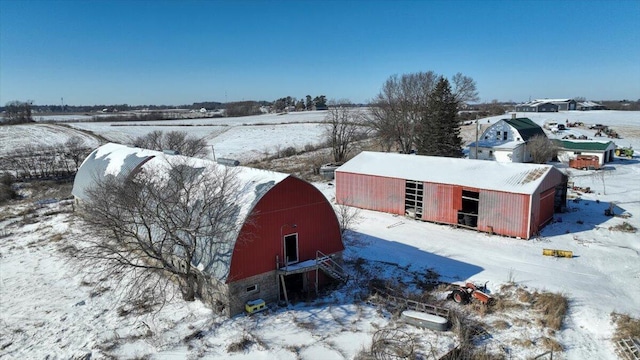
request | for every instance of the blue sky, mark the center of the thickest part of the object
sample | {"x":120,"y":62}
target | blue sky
{"x":179,"y":52}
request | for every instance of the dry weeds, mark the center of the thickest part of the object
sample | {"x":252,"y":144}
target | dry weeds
{"x":553,"y":307}
{"x":626,"y":326}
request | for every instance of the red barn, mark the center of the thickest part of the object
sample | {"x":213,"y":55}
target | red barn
{"x":511,"y":199}
{"x":291,"y":227}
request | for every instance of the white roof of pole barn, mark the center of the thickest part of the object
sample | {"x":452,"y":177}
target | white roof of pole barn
{"x":553,"y":100}
{"x":491,"y":175}
{"x":120,"y":160}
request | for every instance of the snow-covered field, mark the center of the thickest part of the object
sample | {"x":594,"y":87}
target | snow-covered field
{"x":48,"y":308}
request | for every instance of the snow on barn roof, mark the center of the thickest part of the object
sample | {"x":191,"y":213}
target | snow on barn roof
{"x":554,"y":100}
{"x":123,"y":161}
{"x":491,"y":175}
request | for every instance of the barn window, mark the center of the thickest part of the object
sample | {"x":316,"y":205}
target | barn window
{"x":414,"y":192}
{"x":252,"y":288}
{"x":504,"y":136}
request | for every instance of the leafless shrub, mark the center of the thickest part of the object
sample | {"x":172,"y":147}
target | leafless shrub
{"x":6,"y":187}
{"x":288,"y":152}
{"x":240,"y":345}
{"x":198,"y":334}
{"x":348,"y":217}
{"x":393,"y":344}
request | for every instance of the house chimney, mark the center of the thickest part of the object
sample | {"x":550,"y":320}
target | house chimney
{"x":513,"y":116}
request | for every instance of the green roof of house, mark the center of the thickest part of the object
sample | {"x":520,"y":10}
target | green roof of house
{"x":526,"y":127}
{"x":582,"y":145}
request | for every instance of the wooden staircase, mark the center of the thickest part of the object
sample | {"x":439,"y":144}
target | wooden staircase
{"x":331,"y":267}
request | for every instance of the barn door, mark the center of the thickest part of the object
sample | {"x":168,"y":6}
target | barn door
{"x":291,"y":248}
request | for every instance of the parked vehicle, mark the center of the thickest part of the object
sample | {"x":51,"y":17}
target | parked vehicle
{"x":470,"y":291}
{"x":625,"y":152}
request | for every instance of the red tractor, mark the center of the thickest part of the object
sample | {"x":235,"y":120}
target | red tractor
{"x":470,"y":291}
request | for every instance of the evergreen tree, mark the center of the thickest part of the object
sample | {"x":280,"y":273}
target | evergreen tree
{"x":439,"y":129}
{"x":309,"y":103}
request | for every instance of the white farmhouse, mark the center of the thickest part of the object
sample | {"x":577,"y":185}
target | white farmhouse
{"x":506,"y":141}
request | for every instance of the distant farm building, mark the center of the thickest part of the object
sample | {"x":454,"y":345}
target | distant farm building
{"x":590,"y":105}
{"x":537,"y":106}
{"x":292,"y":229}
{"x":547,"y":105}
{"x":515,"y":200}
{"x":570,"y":149}
{"x":506,"y":141}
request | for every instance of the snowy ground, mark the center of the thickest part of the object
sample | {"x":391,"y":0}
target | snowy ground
{"x":48,"y":308}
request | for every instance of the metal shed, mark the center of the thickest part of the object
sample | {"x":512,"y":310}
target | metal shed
{"x":509,"y":199}
{"x":286,"y":229}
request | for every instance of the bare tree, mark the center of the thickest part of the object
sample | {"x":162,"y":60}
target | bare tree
{"x":17,"y":112}
{"x":179,"y":141}
{"x":402,"y":104}
{"x":348,"y":217}
{"x":541,"y":148}
{"x":76,"y":151}
{"x":344,"y":126}
{"x":398,"y":108}
{"x":464,"y":88}
{"x":164,"y":220}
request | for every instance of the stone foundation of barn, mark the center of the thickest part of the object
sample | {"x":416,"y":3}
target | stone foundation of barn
{"x":229,"y":299}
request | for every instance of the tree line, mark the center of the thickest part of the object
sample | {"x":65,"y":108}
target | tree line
{"x":31,"y":162}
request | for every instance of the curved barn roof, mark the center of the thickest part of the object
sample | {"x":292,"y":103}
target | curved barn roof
{"x":124,"y":161}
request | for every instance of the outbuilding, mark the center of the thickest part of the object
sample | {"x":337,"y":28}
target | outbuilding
{"x":510,"y":199}
{"x":537,"y":106}
{"x":570,"y":149}
{"x":295,"y":244}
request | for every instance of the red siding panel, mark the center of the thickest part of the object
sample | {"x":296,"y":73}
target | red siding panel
{"x":504,"y":213}
{"x":543,"y":209}
{"x":441,"y":203}
{"x":370,"y":192}
{"x":292,"y":201}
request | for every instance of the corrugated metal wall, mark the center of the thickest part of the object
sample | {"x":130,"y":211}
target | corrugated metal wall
{"x":370,"y":192}
{"x":504,"y":213}
{"x":442,"y":202}
{"x":292,"y":201}
{"x":543,"y":209}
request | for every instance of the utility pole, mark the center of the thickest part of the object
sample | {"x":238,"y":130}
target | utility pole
{"x":477,"y":126}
